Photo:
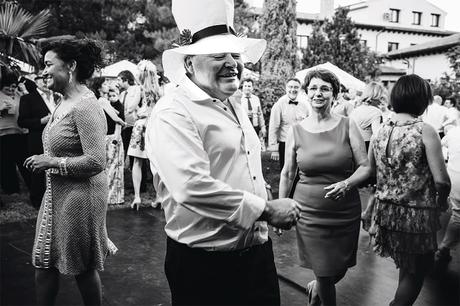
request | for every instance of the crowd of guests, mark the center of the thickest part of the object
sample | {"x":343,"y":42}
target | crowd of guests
{"x":70,"y":134}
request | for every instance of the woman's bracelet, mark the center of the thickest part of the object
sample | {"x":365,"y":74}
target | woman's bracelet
{"x":347,"y":184}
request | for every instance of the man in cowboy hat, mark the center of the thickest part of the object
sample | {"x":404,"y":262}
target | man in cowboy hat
{"x":205,"y":159}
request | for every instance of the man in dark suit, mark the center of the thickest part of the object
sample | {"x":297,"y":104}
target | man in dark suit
{"x":34,"y":114}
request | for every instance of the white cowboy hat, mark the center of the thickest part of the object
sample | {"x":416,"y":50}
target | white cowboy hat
{"x":206,"y":27}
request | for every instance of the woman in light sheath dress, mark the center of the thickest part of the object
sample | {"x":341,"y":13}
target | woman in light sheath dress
{"x":325,"y":148}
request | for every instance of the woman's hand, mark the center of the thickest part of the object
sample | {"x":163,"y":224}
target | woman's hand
{"x":39,"y":163}
{"x":337,"y":190}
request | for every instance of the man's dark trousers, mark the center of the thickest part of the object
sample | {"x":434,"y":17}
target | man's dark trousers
{"x":281,"y":150}
{"x":199,"y":277}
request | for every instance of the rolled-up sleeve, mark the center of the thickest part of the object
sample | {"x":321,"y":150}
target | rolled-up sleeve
{"x":174,"y":146}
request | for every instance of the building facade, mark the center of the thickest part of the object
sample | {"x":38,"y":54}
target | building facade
{"x":384,"y":25}
{"x":428,"y":60}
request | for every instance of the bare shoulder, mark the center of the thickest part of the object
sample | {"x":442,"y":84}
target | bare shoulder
{"x":429,"y":134}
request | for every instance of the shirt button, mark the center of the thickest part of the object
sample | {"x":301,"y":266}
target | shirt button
{"x":225,"y":108}
{"x":248,"y":152}
{"x":253,"y":177}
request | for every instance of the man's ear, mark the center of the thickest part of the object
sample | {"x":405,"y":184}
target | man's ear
{"x":188,"y":65}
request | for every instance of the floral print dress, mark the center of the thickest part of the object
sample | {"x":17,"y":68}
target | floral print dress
{"x":137,"y":143}
{"x":406,"y":212}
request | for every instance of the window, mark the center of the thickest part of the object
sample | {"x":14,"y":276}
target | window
{"x":394,"y":15}
{"x":392,"y":46}
{"x":416,"y":18}
{"x":302,"y":41}
{"x":435,"y":20}
{"x":412,"y":44}
{"x":363,"y":43}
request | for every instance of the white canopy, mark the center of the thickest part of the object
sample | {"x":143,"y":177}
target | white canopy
{"x":345,"y":78}
{"x":114,"y":69}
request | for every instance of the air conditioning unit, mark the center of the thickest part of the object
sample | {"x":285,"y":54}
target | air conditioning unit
{"x":386,"y":16}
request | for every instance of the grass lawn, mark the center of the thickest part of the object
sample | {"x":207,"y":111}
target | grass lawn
{"x":16,"y":207}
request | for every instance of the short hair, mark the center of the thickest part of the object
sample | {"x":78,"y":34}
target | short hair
{"x":127,"y":75}
{"x":295,"y":80}
{"x":452,"y":100}
{"x":437,"y":98}
{"x":248,"y":80}
{"x":96,"y":84}
{"x":85,"y":52}
{"x":411,"y":94}
{"x":326,"y":76}
{"x":373,"y":94}
{"x":113,"y":88}
{"x":8,"y":77}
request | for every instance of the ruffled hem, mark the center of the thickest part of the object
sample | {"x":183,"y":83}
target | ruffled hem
{"x":406,"y":219}
{"x":403,"y":248}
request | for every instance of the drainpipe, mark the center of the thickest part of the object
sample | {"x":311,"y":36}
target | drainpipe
{"x":376,"y":39}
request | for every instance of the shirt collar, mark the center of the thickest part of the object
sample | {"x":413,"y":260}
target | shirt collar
{"x":195,"y":93}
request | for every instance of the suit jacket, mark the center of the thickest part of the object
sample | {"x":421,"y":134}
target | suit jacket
{"x":31,"y":109}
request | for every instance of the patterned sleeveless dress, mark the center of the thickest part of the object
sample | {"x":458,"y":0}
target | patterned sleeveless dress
{"x":71,"y":232}
{"x":406,"y":212}
{"x":328,"y":230}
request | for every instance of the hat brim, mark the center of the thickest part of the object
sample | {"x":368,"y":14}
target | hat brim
{"x":251,"y":51}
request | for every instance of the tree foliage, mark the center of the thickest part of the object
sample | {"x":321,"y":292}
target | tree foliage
{"x":18,"y":29}
{"x":279,"y":28}
{"x":449,"y":84}
{"x":130,"y":29}
{"x":337,"y":41}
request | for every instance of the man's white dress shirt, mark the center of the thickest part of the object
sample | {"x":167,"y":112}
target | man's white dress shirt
{"x":255,"y":111}
{"x":206,"y":167}
{"x":435,"y":115}
{"x":130,"y":99}
{"x":283,"y":116}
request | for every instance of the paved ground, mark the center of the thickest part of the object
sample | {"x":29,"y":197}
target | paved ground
{"x":135,"y":275}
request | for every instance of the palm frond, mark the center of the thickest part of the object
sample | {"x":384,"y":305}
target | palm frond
{"x":12,"y":19}
{"x":36,"y":25}
{"x":18,"y":28}
{"x":17,"y":22}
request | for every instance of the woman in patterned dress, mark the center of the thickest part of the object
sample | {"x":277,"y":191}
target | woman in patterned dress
{"x":412,"y":187}
{"x":108,"y":98}
{"x":150,"y":93}
{"x":71,"y":235}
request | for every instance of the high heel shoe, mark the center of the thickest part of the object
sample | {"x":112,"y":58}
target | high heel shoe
{"x":155,"y":203}
{"x":135,"y":205}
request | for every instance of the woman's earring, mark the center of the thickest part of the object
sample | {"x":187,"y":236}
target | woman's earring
{"x":70,"y":77}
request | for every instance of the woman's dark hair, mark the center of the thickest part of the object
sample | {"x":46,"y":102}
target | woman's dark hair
{"x":324,"y":75}
{"x":8,"y":77}
{"x":95,"y":84}
{"x":127,"y":75}
{"x":411,"y":94}
{"x":29,"y":84}
{"x":85,"y":52}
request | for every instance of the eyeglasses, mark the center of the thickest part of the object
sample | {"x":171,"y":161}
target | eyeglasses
{"x":322,"y":89}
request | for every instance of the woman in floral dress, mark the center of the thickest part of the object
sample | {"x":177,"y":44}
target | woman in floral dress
{"x":412,"y":187}
{"x":71,"y":235}
{"x":150,"y":93}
